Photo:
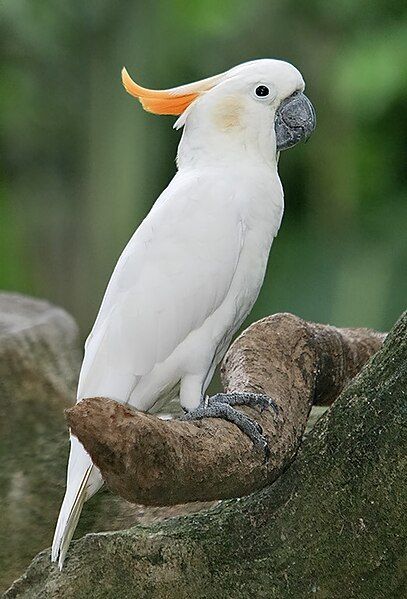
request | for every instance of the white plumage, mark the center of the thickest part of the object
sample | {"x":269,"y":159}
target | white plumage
{"x":193,"y":269}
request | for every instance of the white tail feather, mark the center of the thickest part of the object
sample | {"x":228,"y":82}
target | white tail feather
{"x":84,"y":480}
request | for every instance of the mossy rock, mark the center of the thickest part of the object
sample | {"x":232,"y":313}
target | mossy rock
{"x":332,"y":526}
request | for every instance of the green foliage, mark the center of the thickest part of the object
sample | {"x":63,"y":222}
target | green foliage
{"x":81,"y":163}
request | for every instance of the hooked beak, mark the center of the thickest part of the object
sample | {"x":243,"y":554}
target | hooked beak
{"x":295,"y":121}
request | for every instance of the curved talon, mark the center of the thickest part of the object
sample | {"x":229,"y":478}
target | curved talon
{"x":222,"y":410}
{"x":221,"y":406}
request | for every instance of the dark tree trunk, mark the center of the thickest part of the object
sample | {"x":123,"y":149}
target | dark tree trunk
{"x":332,"y":526}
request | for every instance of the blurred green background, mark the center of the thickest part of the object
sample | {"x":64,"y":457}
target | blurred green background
{"x":81,"y":162}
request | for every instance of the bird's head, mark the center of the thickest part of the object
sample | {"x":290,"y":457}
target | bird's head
{"x":258,"y":106}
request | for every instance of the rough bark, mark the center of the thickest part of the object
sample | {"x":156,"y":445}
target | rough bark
{"x":332,"y":526}
{"x":156,"y":462}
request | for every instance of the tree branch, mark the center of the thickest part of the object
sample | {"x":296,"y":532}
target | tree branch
{"x":333,"y":525}
{"x":155,"y":462}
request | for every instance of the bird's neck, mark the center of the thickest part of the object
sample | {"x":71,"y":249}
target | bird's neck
{"x":208,"y":146}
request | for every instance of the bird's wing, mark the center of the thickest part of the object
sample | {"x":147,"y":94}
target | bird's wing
{"x":174,"y":273}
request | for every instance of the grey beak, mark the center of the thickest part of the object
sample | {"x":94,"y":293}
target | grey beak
{"x":295,"y":121}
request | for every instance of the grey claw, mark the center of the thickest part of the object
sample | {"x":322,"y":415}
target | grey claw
{"x":255,"y":400}
{"x":221,"y":406}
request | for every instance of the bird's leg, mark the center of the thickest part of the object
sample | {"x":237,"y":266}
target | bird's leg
{"x":222,"y":405}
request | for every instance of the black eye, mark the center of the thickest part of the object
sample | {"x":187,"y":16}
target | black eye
{"x":262,"y":91}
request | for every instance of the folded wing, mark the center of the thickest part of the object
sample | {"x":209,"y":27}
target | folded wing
{"x":174,"y":273}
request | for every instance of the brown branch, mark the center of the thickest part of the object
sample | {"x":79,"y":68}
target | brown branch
{"x":155,"y":462}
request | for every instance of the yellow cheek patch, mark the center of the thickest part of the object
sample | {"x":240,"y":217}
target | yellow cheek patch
{"x":228,"y":114}
{"x":158,"y":101}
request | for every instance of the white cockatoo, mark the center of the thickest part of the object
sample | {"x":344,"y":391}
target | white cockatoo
{"x":193,"y":269}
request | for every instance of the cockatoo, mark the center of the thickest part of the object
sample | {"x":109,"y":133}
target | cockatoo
{"x":193,"y":269}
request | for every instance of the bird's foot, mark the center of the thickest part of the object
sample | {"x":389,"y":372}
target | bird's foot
{"x":222,"y":405}
{"x":253,"y":400}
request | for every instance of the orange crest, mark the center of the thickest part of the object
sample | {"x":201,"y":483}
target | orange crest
{"x":168,"y":101}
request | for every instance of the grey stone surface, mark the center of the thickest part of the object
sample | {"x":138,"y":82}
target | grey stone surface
{"x":39,"y":362}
